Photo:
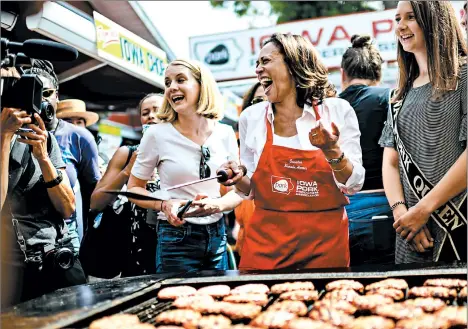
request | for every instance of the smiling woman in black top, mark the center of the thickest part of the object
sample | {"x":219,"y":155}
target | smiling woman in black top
{"x":361,"y":74}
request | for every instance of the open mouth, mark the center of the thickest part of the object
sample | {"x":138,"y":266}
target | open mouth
{"x":266,"y":84}
{"x":177,"y":99}
{"x":406,"y":37}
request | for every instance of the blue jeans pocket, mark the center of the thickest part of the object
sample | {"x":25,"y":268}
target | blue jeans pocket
{"x":172,"y":235}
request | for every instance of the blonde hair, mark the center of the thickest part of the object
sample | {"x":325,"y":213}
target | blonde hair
{"x":210,"y":102}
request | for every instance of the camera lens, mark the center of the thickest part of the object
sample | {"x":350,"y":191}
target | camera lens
{"x":64,"y":258}
{"x":47,"y":111}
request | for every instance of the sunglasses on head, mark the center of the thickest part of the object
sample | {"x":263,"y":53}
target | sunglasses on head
{"x":205,"y":170}
{"x":257,"y":99}
{"x":46,"y":93}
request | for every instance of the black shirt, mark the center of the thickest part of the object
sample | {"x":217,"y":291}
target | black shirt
{"x":371,"y":107}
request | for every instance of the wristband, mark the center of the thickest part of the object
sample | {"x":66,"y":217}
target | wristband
{"x":162,"y":202}
{"x":337,"y":160}
{"x":54,"y":182}
{"x":396,"y":204}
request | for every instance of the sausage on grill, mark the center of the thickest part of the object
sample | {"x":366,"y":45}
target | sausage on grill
{"x":189,"y":301}
{"x":301,"y":295}
{"x":345,"y":284}
{"x":426,"y":321}
{"x":342,"y":294}
{"x":331,"y":316}
{"x":291,"y":306}
{"x":216,"y":291}
{"x":257,"y":299}
{"x":174,"y":292}
{"x":251,"y":288}
{"x":305,"y":323}
{"x":446,"y":283}
{"x":436,"y":292}
{"x":395,"y":294}
{"x":388,"y":283}
{"x":371,"y":322}
{"x":275,"y":319}
{"x":186,"y":318}
{"x":340,"y":305}
{"x":292,"y":286}
{"x":428,"y":305}
{"x":398,"y":311}
{"x":370,"y":302}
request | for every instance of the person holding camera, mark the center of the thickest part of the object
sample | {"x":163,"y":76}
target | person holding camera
{"x":37,"y":256}
{"x":79,"y":151}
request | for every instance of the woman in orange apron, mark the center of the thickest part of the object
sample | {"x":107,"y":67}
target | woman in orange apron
{"x":301,"y":151}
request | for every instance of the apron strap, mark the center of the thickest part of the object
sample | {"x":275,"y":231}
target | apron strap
{"x":316,"y":110}
{"x":269,"y":140}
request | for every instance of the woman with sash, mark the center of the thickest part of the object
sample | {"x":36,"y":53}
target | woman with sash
{"x":424,"y":166}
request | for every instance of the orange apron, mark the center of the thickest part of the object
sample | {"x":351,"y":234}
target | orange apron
{"x":299,"y":219}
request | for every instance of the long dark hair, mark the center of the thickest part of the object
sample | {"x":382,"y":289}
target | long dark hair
{"x":308,"y":71}
{"x":445,"y":46}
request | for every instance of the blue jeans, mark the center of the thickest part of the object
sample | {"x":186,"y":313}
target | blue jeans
{"x":191,"y":247}
{"x":371,"y":241}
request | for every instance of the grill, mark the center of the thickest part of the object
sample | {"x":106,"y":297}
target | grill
{"x":147,"y":306}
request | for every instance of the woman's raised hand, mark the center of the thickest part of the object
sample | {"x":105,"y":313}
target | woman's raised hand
{"x":324,"y":139}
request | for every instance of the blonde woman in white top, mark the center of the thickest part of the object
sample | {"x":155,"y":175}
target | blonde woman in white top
{"x":302,"y":152}
{"x":188,"y":145}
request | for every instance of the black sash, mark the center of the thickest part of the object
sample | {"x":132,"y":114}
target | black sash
{"x":450,"y":218}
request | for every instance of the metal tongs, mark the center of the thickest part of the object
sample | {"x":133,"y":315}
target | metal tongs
{"x":222,"y":175}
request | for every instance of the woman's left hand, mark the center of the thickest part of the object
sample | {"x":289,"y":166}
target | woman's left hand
{"x":323,"y":138}
{"x":409,"y":224}
{"x":203,"y":206}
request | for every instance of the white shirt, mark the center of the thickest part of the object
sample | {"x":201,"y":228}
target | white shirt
{"x":252,"y":133}
{"x":177,"y":159}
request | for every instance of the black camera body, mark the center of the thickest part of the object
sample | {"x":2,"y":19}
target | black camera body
{"x":58,"y":257}
{"x":24,"y":93}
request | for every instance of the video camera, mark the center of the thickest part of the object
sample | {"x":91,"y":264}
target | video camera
{"x":26,"y":93}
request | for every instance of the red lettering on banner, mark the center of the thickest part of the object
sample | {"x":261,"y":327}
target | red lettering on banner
{"x":263,"y":39}
{"x":315,"y":42}
{"x":334,"y":36}
{"x":377,"y":29}
{"x":252,"y":45}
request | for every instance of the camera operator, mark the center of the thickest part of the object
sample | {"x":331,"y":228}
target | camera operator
{"x":79,"y":151}
{"x":36,"y":196}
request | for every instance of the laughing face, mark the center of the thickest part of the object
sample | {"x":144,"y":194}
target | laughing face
{"x":182,"y":89}
{"x":408,"y":32}
{"x":273,"y":74}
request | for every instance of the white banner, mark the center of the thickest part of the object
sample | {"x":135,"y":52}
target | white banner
{"x":233,"y":55}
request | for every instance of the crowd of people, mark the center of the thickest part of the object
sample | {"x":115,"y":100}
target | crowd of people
{"x":319,"y":179}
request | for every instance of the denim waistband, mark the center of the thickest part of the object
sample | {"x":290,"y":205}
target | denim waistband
{"x":366,"y":195}
{"x":189,"y":227}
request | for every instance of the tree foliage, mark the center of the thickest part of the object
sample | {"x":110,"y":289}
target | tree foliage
{"x":288,"y":11}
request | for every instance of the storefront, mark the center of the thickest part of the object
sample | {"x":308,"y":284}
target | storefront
{"x":122,"y":56}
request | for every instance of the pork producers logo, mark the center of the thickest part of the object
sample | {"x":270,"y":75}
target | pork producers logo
{"x":281,"y":185}
{"x":308,"y":189}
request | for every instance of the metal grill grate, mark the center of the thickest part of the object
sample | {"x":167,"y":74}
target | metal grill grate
{"x":148,"y":310}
